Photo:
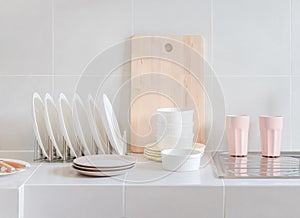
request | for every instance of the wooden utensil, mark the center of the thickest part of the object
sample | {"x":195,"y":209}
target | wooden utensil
{"x":15,"y":164}
{"x":6,"y":167}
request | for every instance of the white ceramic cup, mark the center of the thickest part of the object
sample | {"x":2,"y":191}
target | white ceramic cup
{"x":174,"y":115}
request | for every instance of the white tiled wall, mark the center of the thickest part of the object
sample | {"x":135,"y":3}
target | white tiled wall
{"x":252,"y":45}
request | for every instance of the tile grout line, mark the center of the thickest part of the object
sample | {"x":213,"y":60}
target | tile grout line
{"x":212,"y":33}
{"x":132,"y":17}
{"x":124,"y":196}
{"x":291,"y":76}
{"x":53,"y":47}
{"x":224,"y":197}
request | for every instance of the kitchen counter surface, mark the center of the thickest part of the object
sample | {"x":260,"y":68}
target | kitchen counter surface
{"x":56,"y":190}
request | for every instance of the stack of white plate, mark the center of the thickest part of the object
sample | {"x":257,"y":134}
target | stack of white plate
{"x":104,"y":165}
{"x":152,"y":152}
{"x":174,"y":128}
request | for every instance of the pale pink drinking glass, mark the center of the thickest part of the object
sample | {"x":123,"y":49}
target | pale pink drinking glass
{"x":270,"y":135}
{"x":237,"y":134}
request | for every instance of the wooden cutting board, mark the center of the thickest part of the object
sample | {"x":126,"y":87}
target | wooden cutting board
{"x":166,"y":71}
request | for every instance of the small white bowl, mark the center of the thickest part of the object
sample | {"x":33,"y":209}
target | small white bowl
{"x":181,"y":160}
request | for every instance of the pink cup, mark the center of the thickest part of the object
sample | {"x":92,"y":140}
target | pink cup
{"x":237,"y":134}
{"x":270,"y":135}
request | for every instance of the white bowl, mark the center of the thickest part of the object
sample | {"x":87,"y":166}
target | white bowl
{"x":174,"y":115}
{"x":181,"y":160}
{"x":168,"y":142}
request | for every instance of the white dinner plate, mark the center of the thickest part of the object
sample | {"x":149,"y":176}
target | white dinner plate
{"x":96,"y":125}
{"x":102,"y":174}
{"x":112,"y":126}
{"x":66,"y":123}
{"x":105,"y":161}
{"x":81,"y":125}
{"x":16,"y":171}
{"x":39,"y":125}
{"x":52,"y":124}
{"x":93,"y":169}
{"x":152,"y":147}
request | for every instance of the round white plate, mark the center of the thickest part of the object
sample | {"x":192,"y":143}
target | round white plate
{"x":52,"y":124}
{"x":17,"y":161}
{"x":101,"y":174}
{"x":81,"y":124}
{"x":152,"y":147}
{"x":93,"y":169}
{"x":105,"y":161}
{"x":151,"y":154}
{"x":39,"y":125}
{"x":112,"y":126}
{"x":66,"y":123}
{"x":96,"y":125}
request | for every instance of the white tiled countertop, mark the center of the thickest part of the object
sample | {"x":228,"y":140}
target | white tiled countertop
{"x":56,"y":190}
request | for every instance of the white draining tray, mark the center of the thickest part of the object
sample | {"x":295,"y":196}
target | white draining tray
{"x":287,"y":166}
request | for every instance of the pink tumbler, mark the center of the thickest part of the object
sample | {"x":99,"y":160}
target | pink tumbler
{"x":237,"y":134}
{"x":270,"y":134}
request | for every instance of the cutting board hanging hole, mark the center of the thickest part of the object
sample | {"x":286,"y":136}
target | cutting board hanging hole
{"x":168,"y":47}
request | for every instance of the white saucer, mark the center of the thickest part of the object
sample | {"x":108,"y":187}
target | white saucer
{"x":101,"y":173}
{"x":105,"y":161}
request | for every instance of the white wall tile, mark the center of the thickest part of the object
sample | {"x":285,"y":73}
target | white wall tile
{"x":66,"y":85}
{"x":268,"y":202}
{"x":296,"y":74}
{"x":25,"y":39}
{"x":84,"y":29}
{"x":251,"y":37}
{"x":174,"y":17}
{"x":10,"y":203}
{"x":177,"y":201}
{"x":16,"y":124}
{"x":257,"y":96}
{"x":75,"y":201}
{"x":296,"y":37}
{"x":295,"y":113}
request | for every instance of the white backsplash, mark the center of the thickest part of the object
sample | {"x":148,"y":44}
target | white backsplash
{"x":253,"y":46}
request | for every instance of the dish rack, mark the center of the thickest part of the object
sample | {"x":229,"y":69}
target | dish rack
{"x":66,"y":152}
{"x":255,"y":166}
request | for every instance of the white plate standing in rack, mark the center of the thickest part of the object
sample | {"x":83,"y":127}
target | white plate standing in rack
{"x":105,"y":161}
{"x":112,"y":126}
{"x":98,"y":132}
{"x":52,"y":124}
{"x":82,"y":126}
{"x":27,"y":165}
{"x":66,"y":123}
{"x":39,"y":125}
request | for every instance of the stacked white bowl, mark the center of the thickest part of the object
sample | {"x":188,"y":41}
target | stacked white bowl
{"x":174,"y":128}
